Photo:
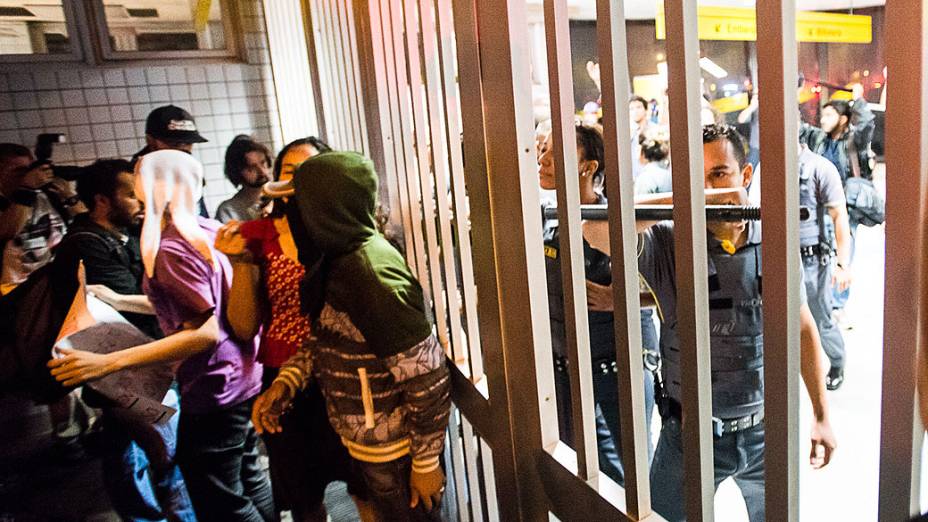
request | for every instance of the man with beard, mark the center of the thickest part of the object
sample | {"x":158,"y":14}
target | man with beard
{"x":140,"y":475}
{"x":248,"y":166}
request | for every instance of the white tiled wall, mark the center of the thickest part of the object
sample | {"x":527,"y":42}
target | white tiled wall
{"x":102,"y":109}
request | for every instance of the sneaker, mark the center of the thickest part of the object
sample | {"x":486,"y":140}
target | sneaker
{"x":835,"y":378}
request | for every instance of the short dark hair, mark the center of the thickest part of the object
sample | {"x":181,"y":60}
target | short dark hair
{"x":654,"y":146}
{"x":843,"y":108}
{"x":640,"y":99}
{"x":235,"y":156}
{"x":13,"y":150}
{"x":719,"y":131}
{"x":318,"y":144}
{"x":590,"y":142}
{"x":101,"y":178}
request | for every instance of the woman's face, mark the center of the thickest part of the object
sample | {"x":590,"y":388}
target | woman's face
{"x":293,"y":158}
{"x":546,"y":172}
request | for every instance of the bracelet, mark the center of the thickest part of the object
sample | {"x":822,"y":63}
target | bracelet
{"x":71,"y":201}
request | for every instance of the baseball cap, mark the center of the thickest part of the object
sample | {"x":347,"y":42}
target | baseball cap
{"x":171,"y":123}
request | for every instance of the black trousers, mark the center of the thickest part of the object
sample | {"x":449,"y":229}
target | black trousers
{"x":388,"y":489}
{"x":218,"y":456}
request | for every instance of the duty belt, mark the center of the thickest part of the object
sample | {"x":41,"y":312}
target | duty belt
{"x":598,"y":365}
{"x":722,"y":427}
{"x":608,"y":365}
{"x":815,"y":251}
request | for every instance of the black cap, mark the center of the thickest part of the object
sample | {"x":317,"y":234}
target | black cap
{"x":171,"y":123}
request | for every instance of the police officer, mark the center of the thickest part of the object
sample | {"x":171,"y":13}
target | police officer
{"x":590,"y":154}
{"x":821,"y":193}
{"x":736,"y":340}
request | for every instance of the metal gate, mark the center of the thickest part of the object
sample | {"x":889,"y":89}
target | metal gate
{"x":437,"y":92}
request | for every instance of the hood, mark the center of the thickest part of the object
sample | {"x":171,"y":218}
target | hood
{"x":170,"y":181}
{"x":336,"y":193}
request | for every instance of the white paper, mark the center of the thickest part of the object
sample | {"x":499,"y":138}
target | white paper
{"x":95,"y":326}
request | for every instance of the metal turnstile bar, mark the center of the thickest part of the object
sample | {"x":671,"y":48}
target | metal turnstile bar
{"x":665,"y":212}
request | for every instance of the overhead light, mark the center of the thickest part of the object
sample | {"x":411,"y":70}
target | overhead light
{"x":712,"y":68}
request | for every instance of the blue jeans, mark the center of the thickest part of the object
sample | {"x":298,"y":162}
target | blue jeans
{"x":607,"y":415}
{"x":140,"y":475}
{"x":388,"y":487}
{"x":738,"y":455}
{"x":218,"y":453}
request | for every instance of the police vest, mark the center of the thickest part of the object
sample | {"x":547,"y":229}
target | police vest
{"x":736,"y":334}
{"x":812,"y":229}
{"x":598,"y":268}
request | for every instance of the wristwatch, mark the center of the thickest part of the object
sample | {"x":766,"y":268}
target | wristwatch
{"x":71,"y":201}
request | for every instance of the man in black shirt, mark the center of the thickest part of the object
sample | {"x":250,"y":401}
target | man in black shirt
{"x":142,"y":484}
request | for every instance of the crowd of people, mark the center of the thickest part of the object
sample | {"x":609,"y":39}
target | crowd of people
{"x":304,"y":329}
{"x":294,"y":326}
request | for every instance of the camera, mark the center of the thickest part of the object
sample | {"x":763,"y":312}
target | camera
{"x":44,"y":146}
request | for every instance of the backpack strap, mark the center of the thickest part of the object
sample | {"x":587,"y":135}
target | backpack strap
{"x":852,"y":152}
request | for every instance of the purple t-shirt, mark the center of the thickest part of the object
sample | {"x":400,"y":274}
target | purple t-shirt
{"x":184,"y":287}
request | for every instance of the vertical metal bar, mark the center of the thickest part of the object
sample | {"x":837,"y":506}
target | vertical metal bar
{"x":777,"y":72}
{"x":458,"y":469}
{"x":324,"y":59}
{"x":690,"y":249}
{"x":367,"y":37}
{"x":906,"y":162}
{"x":471,"y":456}
{"x":395,"y":137}
{"x":314,"y":68}
{"x":425,"y":170}
{"x":573,"y":271}
{"x":403,"y":106}
{"x":516,"y":223}
{"x":489,"y":475}
{"x":458,"y":190}
{"x":504,"y":483}
{"x":324,"y":43}
{"x":352,"y":72}
{"x":338,"y":78}
{"x":613,"y":63}
{"x":439,"y":150}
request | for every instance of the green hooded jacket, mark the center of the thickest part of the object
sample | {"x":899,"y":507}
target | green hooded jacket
{"x":381,"y":369}
{"x":363,"y":275}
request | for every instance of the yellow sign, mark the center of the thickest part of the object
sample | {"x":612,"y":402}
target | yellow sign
{"x":740,"y":24}
{"x":731,"y":103}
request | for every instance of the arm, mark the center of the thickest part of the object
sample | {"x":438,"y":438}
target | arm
{"x":76,"y":366}
{"x":838,"y":213}
{"x":596,"y":233}
{"x":134,"y":303}
{"x":813,"y":376}
{"x":293,"y":376}
{"x":244,"y":310}
{"x":421,"y":372}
